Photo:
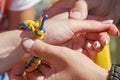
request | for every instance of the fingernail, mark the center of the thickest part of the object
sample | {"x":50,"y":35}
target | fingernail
{"x":106,"y":42}
{"x":75,"y":14}
{"x":28,"y":43}
{"x":108,"y":21}
{"x":98,"y":45}
{"x":89,"y":45}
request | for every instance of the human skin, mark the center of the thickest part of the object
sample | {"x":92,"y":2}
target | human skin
{"x":116,"y":21}
{"x":15,"y":17}
{"x":11,"y":49}
{"x":62,"y":34}
{"x":80,"y":9}
{"x":63,"y":18}
{"x":66,"y":64}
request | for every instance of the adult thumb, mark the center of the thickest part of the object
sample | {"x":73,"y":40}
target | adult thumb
{"x":79,"y":10}
{"x":43,"y":50}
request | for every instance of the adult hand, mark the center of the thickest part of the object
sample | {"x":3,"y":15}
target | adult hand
{"x":66,"y":64}
{"x":63,"y":6}
{"x":79,"y":9}
{"x":61,"y":31}
{"x":76,"y":34}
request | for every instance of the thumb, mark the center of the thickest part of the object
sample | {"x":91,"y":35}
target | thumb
{"x":43,"y":50}
{"x":79,"y":10}
{"x":94,"y":26}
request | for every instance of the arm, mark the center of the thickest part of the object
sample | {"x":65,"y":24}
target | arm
{"x":64,"y":63}
{"x":55,"y":34}
{"x":21,"y":10}
{"x":79,"y":9}
{"x":16,"y":17}
{"x":11,"y":51}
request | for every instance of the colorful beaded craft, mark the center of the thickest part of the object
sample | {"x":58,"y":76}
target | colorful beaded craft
{"x":38,"y":30}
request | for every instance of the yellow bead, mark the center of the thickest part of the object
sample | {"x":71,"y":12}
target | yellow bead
{"x":35,"y":27}
{"x":37,"y":61}
{"x":30,"y":69}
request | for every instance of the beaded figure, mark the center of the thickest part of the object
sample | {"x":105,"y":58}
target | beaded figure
{"x":38,"y":30}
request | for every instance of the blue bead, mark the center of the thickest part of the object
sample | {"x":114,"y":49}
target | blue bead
{"x":43,"y":21}
{"x":25,"y":25}
{"x":36,"y":20}
{"x":36,"y":34}
{"x":31,"y":62}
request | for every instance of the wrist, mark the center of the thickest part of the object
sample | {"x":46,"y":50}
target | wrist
{"x":47,"y":26}
{"x":48,"y":37}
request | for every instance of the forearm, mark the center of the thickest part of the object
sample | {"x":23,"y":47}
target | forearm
{"x":11,"y":50}
{"x":15,"y":17}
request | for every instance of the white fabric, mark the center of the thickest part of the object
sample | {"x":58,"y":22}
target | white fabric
{"x":19,"y":5}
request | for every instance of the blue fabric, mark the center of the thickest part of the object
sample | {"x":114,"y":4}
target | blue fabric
{"x":4,"y":76}
{"x":1,"y":15}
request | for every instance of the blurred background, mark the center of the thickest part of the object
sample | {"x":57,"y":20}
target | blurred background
{"x":115,"y":49}
{"x":114,"y":43}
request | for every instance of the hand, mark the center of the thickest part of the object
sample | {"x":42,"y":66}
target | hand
{"x":79,"y":9}
{"x":64,"y":63}
{"x":63,"y":6}
{"x":63,"y":31}
{"x":11,"y":48}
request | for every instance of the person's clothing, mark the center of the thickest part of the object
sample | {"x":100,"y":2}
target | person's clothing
{"x":19,"y":5}
{"x":4,"y":76}
{"x":13,"y":5}
{"x":115,"y":72}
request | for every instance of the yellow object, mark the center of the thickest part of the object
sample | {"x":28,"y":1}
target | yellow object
{"x":34,"y":27}
{"x":38,"y":30}
{"x":56,"y":0}
{"x":34,"y":64}
{"x":103,"y":58}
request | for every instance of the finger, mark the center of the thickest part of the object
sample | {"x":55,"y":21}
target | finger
{"x":53,"y":54}
{"x":91,"y":51}
{"x":35,"y":75}
{"x":47,"y":63}
{"x":78,"y":42}
{"x":55,"y":9}
{"x":45,"y":70}
{"x":102,"y":37}
{"x":92,"y":36}
{"x":17,"y":72}
{"x":79,"y":10}
{"x":85,"y":52}
{"x":97,"y":46}
{"x":93,"y":26}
